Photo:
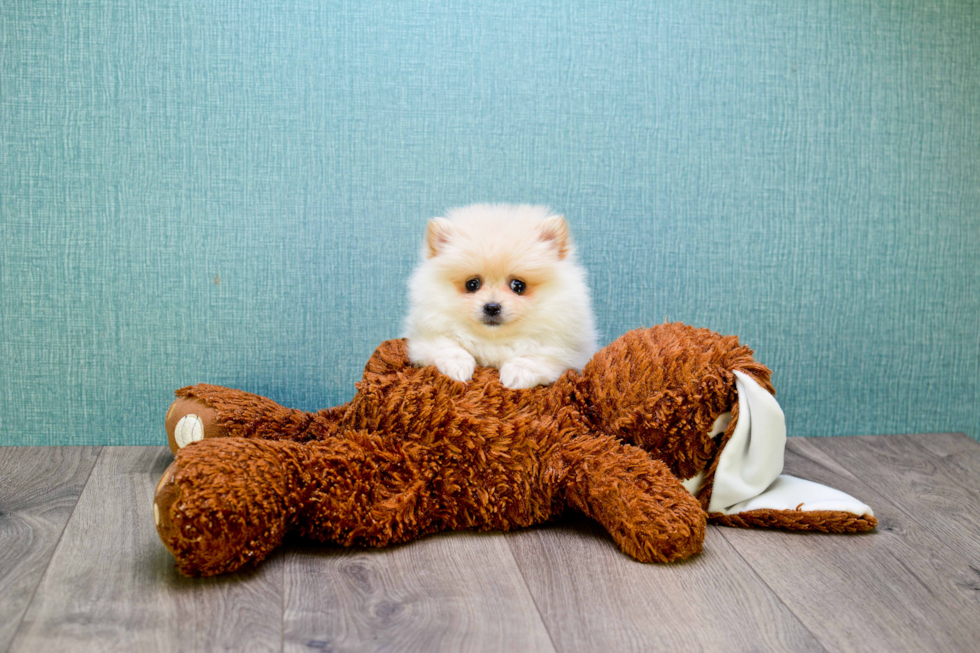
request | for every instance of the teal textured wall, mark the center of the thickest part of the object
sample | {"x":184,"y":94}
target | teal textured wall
{"x":233,"y":192}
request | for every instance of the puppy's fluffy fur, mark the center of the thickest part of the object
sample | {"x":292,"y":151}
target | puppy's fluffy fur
{"x":498,"y":286}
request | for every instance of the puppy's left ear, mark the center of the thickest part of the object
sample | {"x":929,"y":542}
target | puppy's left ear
{"x":554,"y":231}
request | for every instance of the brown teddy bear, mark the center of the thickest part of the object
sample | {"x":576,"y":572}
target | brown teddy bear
{"x":657,"y":418}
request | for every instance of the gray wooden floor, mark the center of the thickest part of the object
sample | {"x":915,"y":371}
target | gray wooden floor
{"x":81,"y":568}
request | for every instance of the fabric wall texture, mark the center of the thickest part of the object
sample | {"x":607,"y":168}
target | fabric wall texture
{"x":234,"y":192}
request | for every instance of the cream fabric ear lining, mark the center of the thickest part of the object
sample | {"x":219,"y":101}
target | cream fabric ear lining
{"x":791,"y":493}
{"x":748,"y":476}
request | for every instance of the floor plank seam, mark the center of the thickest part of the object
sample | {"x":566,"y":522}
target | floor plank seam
{"x":54,"y":551}
{"x":534,"y":601}
{"x":771,"y":589}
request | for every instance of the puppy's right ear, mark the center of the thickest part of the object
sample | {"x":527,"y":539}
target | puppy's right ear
{"x":437,"y":235}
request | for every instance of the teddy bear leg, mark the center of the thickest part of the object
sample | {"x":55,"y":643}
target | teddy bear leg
{"x":228,"y":502}
{"x":190,"y":420}
{"x":636,"y":498}
{"x":208,"y":411}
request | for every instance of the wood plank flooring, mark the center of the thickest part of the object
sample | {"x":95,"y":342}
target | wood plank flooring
{"x":81,"y":568}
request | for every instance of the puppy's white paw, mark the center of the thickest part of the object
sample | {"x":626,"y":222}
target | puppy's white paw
{"x":457,"y":366}
{"x":517,"y":374}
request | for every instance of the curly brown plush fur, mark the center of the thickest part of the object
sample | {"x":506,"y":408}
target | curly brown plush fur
{"x":415,"y":452}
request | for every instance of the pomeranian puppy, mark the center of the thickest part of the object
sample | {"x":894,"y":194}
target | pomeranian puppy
{"x":498,"y":286}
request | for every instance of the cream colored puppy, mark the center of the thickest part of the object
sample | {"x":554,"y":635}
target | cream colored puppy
{"x":498,"y":286}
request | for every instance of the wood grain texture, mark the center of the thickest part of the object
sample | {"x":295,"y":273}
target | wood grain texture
{"x":450,"y":592}
{"x":945,"y":445}
{"x":39,"y":487}
{"x":899,"y":588}
{"x":957,"y":452}
{"x":594,"y":598}
{"x":940,"y":492}
{"x":112,"y":586}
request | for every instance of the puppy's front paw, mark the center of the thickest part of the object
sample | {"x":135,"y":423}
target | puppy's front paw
{"x":517,"y":374}
{"x":457,"y":366}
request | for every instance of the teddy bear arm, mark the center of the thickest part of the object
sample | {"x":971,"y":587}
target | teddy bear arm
{"x":635,"y":497}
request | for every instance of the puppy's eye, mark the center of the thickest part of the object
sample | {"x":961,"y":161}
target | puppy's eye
{"x":518,"y":286}
{"x":473,"y":284}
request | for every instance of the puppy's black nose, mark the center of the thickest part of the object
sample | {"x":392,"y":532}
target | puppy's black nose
{"x":492,"y":309}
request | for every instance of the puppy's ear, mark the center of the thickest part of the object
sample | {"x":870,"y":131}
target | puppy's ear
{"x":554,"y":231}
{"x":437,"y":235}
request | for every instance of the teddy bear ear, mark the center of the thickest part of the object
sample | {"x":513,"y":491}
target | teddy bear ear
{"x":554,"y":231}
{"x":437,"y":235}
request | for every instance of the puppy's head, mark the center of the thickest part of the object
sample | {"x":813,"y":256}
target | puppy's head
{"x":494,"y":265}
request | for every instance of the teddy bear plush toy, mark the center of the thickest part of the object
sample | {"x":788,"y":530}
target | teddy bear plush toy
{"x":665,"y":429}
